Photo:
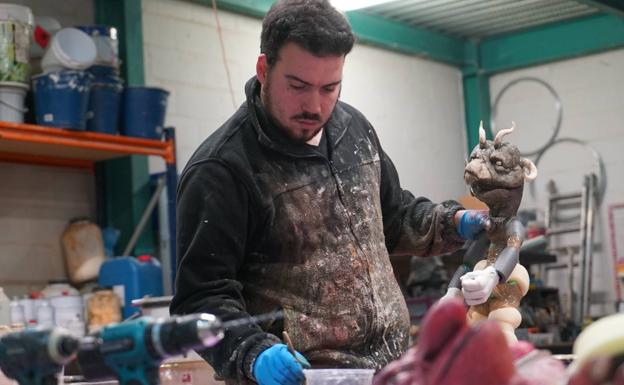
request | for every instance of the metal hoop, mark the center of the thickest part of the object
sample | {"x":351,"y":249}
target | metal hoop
{"x":601,"y":185}
{"x":558,"y":108}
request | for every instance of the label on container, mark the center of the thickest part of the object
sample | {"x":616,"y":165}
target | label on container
{"x":22,"y":43}
{"x":120,"y":291}
{"x":14,"y":51}
{"x":48,"y":117}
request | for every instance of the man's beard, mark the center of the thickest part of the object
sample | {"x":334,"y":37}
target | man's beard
{"x":291,"y":134}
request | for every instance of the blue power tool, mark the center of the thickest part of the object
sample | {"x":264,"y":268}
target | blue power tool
{"x":36,"y":356}
{"x":132,"y":351}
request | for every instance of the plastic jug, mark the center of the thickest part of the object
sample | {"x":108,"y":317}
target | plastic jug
{"x":132,"y":278}
{"x":83,"y":249}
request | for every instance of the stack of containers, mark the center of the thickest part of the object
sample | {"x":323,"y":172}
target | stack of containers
{"x":16,"y":23}
{"x":107,"y":88}
{"x":59,"y":304}
{"x":61,"y":93}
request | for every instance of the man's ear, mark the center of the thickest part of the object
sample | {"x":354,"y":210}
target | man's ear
{"x":261,"y":68}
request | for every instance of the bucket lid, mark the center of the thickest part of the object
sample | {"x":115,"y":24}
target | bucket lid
{"x":101,"y":30}
{"x":63,"y":73}
{"x":16,"y":12}
{"x":23,"y":86}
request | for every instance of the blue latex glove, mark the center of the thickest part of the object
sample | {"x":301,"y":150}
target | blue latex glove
{"x":276,"y":366}
{"x":472,"y":222}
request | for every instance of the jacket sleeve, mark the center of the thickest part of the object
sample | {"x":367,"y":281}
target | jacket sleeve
{"x":213,"y":222}
{"x":415,"y":226}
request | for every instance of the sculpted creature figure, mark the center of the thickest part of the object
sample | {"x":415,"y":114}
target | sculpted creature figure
{"x":493,"y":289}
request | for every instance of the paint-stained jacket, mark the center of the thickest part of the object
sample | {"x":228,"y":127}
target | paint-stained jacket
{"x":265,"y":224}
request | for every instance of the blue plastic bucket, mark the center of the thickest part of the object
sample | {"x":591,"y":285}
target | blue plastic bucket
{"x":144,"y":111}
{"x":104,"y":107}
{"x":61,"y":98}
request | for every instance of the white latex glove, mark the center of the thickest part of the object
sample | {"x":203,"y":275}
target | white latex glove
{"x":451,"y":293}
{"x":478,"y":285}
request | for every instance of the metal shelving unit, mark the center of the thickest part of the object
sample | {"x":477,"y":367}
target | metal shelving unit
{"x":39,"y":145}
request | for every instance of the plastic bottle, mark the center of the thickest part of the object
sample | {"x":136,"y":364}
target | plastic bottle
{"x":17,"y":313}
{"x":45,"y":314}
{"x":5,"y":308}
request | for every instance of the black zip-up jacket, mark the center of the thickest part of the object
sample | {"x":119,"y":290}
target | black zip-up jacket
{"x":266,"y":224}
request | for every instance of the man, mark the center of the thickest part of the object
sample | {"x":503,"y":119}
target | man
{"x":292,"y":205}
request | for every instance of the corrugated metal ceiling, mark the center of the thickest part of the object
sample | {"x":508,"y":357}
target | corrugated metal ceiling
{"x":480,"y":18}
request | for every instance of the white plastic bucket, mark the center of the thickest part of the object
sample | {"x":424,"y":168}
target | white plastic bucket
{"x":12,"y":96}
{"x":70,"y":49}
{"x":69,"y":313}
{"x":15,"y":25}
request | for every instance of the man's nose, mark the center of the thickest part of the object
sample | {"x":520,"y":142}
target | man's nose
{"x":313,"y":103}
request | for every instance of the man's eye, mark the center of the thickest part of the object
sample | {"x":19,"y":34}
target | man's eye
{"x":297,"y":87}
{"x":329,"y":89}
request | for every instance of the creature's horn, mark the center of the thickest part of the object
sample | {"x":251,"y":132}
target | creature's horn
{"x":530,"y":171}
{"x":498,"y":140}
{"x":481,"y":135}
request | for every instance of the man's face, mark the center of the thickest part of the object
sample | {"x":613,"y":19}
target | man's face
{"x":300,"y":90}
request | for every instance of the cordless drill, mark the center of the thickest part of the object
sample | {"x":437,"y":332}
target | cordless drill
{"x":132,"y":351}
{"x":36,"y":356}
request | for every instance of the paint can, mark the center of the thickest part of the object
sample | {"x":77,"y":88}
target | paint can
{"x":143,"y":112}
{"x":69,"y":313}
{"x":61,"y":98}
{"x":104,"y":107}
{"x":12,"y":95}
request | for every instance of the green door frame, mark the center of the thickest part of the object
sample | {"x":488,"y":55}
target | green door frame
{"x":125,"y":182}
{"x":548,"y":43}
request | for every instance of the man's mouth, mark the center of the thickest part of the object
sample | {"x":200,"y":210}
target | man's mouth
{"x":307,"y":122}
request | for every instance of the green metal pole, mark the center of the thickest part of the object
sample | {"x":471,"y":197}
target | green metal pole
{"x":476,"y":95}
{"x":126,"y":183}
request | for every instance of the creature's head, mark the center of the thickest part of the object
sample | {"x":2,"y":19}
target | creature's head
{"x":496,"y":167}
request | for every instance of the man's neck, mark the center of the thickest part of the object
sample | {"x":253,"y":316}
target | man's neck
{"x":316,"y":139}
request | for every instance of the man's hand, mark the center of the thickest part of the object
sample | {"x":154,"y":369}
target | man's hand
{"x":277,"y":365}
{"x":452,"y":293}
{"x":478,"y":285}
{"x":471,"y":222}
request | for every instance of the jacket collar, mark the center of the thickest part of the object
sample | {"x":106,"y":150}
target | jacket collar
{"x":269,"y":135}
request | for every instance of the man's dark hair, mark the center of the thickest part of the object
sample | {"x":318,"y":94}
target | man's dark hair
{"x":314,"y":25}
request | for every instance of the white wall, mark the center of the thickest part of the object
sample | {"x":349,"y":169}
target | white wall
{"x":68,"y":12}
{"x":415,"y":104}
{"x":591,"y":90}
{"x":37,"y":204}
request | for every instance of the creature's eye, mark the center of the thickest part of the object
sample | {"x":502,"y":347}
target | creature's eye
{"x":497,"y":161}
